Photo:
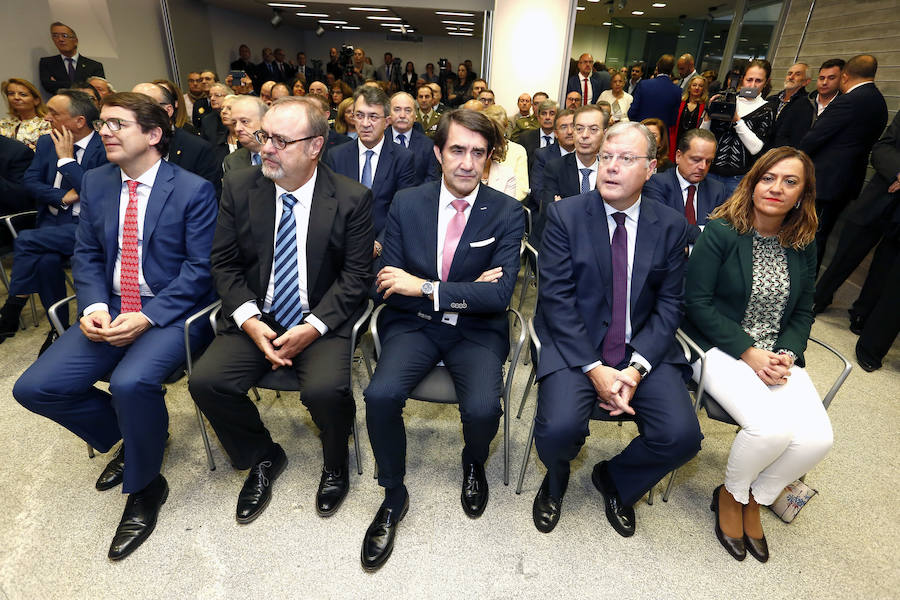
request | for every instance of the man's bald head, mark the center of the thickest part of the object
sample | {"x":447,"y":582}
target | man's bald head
{"x":158,"y":93}
{"x":473,"y":105}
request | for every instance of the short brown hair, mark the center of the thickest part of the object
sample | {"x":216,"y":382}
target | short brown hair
{"x":471,"y":120}
{"x":148,"y":113}
{"x":798,"y":229}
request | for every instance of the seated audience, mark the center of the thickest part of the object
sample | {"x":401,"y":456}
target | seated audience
{"x":212,"y":129}
{"x":180,"y":116}
{"x":84,"y":86}
{"x":26,"y":121}
{"x":619,"y":100}
{"x":542,"y":136}
{"x":403,"y":132}
{"x":748,"y":305}
{"x":564,"y":127}
{"x":344,"y":122}
{"x":265,"y":92}
{"x":297,"y":86}
{"x":102,"y":85}
{"x":523,"y":124}
{"x":133,"y":297}
{"x":660,"y":132}
{"x":690,"y":111}
{"x":515,"y":156}
{"x":279,"y":90}
{"x":246,"y":113}
{"x":426,"y":116}
{"x":194,"y":94}
{"x":461,"y":280}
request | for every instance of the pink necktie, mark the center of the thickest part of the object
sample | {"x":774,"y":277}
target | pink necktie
{"x":454,"y":233}
{"x":129,"y":287}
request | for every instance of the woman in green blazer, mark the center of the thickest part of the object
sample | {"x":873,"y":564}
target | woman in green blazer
{"x":748,"y":304}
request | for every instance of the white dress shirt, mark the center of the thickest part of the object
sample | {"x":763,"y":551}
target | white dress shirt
{"x":362,"y":156}
{"x":145,"y":186}
{"x":632,"y":214}
{"x":74,"y":58}
{"x":394,"y":135}
{"x":593,"y":176}
{"x":544,"y":136}
{"x":684,"y":184}
{"x":79,"y":148}
{"x":445,"y":213}
{"x":304,"y":197}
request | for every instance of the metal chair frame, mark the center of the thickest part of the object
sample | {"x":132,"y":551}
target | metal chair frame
{"x":439,"y":377}
{"x":8,"y":219}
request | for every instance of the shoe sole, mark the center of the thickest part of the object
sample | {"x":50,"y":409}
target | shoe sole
{"x":384,"y":559}
{"x":259,"y":511}
{"x":146,"y":535}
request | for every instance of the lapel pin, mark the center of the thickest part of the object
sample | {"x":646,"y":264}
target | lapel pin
{"x":178,"y":152}
{"x":484,"y":208}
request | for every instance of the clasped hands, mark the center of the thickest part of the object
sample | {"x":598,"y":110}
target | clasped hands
{"x":771,"y":368}
{"x":280,"y":350}
{"x":394,"y":280}
{"x":615,"y":388}
{"x":99,"y":326}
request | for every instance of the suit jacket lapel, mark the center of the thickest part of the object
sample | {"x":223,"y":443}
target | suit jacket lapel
{"x":159,"y":195}
{"x":644,"y":246}
{"x":261,"y":206}
{"x":385,"y":164}
{"x":597,"y":223}
{"x":745,"y":259}
{"x":571,"y":175}
{"x":109,"y":208}
{"x":321,"y":217}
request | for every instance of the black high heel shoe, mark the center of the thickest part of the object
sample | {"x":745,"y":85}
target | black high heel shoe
{"x":734,"y":546}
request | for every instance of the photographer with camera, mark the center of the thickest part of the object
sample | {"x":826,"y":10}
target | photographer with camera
{"x":742,"y":122}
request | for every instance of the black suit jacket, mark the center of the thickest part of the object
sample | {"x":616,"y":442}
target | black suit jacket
{"x":427,"y":166}
{"x":597,"y":85}
{"x":794,"y":121}
{"x":531,"y":141}
{"x":841,"y":139}
{"x":193,"y":153}
{"x":338,"y":245}
{"x":875,"y":202}
{"x":666,"y":189}
{"x":15,"y":157}
{"x":54,"y":75}
{"x":214,"y":131}
{"x":561,"y":178}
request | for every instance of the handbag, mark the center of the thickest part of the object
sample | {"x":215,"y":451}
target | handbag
{"x":791,"y":500}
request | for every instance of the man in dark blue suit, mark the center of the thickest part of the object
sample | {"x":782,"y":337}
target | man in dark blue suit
{"x":15,"y":158}
{"x":141,"y":267}
{"x":612,"y":272}
{"x":450,"y":261}
{"x":657,"y":97}
{"x":54,"y":181}
{"x":564,"y":128}
{"x":374,"y":161}
{"x":67,"y":67}
{"x":587,"y":79}
{"x":404,"y":132}
{"x":686,"y":188}
{"x":535,"y":139}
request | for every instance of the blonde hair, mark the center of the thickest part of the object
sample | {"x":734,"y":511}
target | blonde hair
{"x":40,"y":109}
{"x":798,"y":229}
{"x":497,"y":116}
{"x":339,"y":125}
{"x":687,"y":90}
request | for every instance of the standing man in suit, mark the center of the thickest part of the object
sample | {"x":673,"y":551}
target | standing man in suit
{"x":686,"y":188}
{"x":54,"y":181}
{"x":686,"y":70}
{"x":450,"y":261}
{"x":586,"y":82}
{"x":292,"y":262}
{"x":607,"y":312}
{"x":384,"y":168}
{"x":15,"y":158}
{"x":840,"y":141}
{"x":828,"y":85}
{"x":243,"y":63}
{"x":657,"y":98}
{"x":637,"y":74}
{"x":309,"y":74}
{"x":61,"y":71}
{"x":403,"y":132}
{"x":388,"y":72}
{"x":872,"y":220}
{"x":141,"y":267}
{"x":544,"y":135}
{"x":247,"y":113}
{"x":794,"y":113}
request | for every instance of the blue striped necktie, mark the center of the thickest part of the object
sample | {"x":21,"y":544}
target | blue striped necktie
{"x":585,"y":180}
{"x":286,"y":306}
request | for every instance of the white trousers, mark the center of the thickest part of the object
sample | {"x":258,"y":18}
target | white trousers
{"x":785,"y":430}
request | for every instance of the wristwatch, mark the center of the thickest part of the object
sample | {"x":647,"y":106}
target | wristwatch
{"x":642,"y":371}
{"x":427,"y":288}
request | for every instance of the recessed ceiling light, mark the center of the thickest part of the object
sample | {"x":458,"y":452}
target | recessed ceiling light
{"x":312,"y":15}
{"x":459,"y":33}
{"x":655,"y":24}
{"x":637,"y":13}
{"x":579,"y":8}
{"x":457,"y":22}
{"x":449,"y":28}
{"x":285,"y":5}
{"x":334,"y":22}
{"x":691,"y":29}
{"x":398,"y":30}
{"x":707,"y":42}
{"x":717,"y":36}
{"x":659,"y":5}
{"x":681,"y":37}
{"x":453,"y":14}
{"x":368,"y":9}
{"x":466,"y":29}
{"x":607,"y":23}
{"x":593,"y":0}
{"x":744,"y":40}
{"x":349,"y":27}
{"x":384,"y":18}
{"x":650,"y":31}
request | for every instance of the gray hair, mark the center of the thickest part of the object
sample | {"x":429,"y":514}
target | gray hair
{"x":624,"y":126}
{"x":221,"y":86}
{"x":318,"y":123}
{"x":112,"y":90}
{"x":81,"y":105}
{"x":547,"y":105}
{"x":373,"y":96}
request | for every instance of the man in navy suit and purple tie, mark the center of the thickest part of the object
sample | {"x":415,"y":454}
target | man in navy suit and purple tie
{"x":612,"y":272}
{"x":61,"y":71}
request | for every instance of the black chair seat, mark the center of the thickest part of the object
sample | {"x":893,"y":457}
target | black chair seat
{"x":715,"y":411}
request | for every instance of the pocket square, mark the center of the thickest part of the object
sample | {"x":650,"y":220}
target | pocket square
{"x":482,"y":243}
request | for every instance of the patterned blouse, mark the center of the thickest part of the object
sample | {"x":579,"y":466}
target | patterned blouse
{"x":769,"y":294}
{"x":28,"y":131}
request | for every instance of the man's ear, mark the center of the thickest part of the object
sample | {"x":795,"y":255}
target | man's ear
{"x":437,"y":153}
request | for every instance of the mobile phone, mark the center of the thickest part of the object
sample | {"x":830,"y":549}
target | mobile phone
{"x":236,"y":76}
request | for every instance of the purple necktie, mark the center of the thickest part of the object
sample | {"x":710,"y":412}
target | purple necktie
{"x":614,"y":342}
{"x":71,"y":69}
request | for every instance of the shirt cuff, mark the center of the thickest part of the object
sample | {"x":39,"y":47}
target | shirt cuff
{"x":149,"y":320}
{"x":95,"y":307}
{"x":594,"y":364}
{"x":245,"y":311}
{"x":316,"y":322}
{"x":437,"y":302}
{"x":636,"y":357}
{"x":64,"y":161}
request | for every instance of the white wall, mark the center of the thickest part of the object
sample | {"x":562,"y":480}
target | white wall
{"x":590,"y":39}
{"x":130,"y":45}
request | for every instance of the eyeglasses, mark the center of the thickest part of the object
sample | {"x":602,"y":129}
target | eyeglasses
{"x":62,"y":36}
{"x":593,"y":129}
{"x":363,"y":117}
{"x":279,"y":142}
{"x":113,"y":124}
{"x":626,"y":160}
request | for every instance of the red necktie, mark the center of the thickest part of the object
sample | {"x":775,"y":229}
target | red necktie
{"x":454,"y":233}
{"x":584,"y":97}
{"x":689,"y":213}
{"x":129,"y":287}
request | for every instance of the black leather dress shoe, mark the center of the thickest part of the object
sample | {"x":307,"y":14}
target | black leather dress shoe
{"x":139,"y":518}
{"x":620,"y":516}
{"x":734,"y":546}
{"x":474,"y":495}
{"x":546,"y":509}
{"x":257,"y":490}
{"x":857,"y":324}
{"x":379,"y":541}
{"x":759,"y":549}
{"x":865,"y":360}
{"x":112,"y":473}
{"x":333,"y":487}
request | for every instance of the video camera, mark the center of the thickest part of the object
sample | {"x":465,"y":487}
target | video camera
{"x":345,"y":56}
{"x":442,"y":64}
{"x":722,"y":106}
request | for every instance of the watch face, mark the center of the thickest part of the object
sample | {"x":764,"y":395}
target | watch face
{"x":427,"y":288}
